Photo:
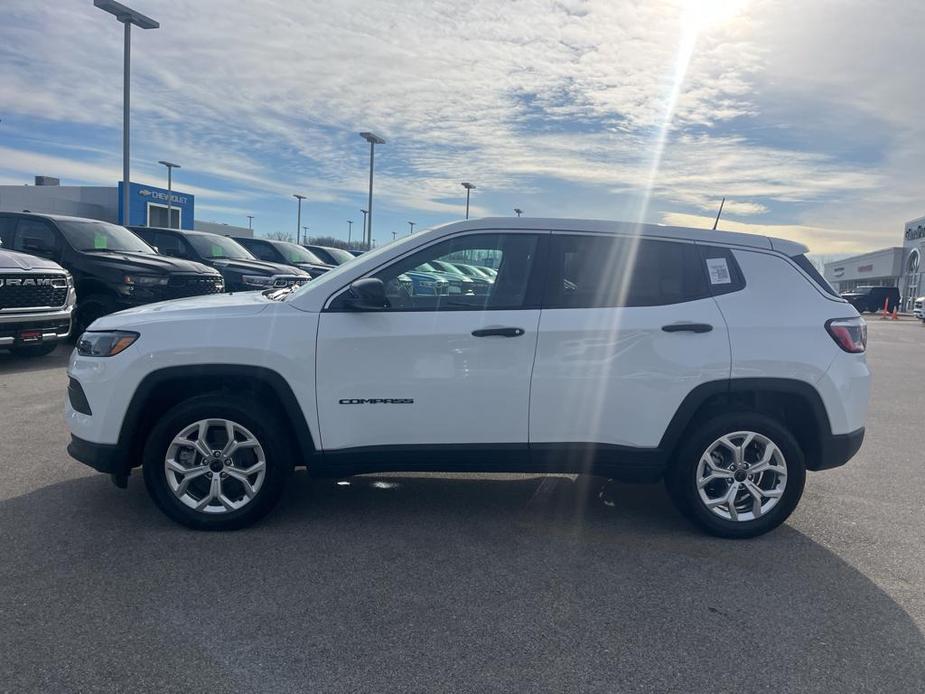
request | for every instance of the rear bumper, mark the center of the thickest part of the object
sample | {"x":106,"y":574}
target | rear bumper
{"x":837,"y":449}
{"x":101,"y":457}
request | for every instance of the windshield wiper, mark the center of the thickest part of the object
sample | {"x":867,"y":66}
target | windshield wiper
{"x":100,"y":250}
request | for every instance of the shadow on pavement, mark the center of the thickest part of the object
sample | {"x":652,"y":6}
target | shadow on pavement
{"x":10,"y":363}
{"x":432,"y":583}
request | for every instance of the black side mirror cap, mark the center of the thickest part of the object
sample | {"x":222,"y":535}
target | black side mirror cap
{"x":367,"y":294}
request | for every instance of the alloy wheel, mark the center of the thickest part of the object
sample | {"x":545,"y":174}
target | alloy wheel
{"x":215,"y":466}
{"x":741,"y":476}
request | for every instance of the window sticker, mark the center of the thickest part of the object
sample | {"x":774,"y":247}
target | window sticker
{"x":216,"y":251}
{"x":100,"y":241}
{"x":719,"y":271}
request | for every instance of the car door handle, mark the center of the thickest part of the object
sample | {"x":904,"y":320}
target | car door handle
{"x":501,"y":332}
{"x":687,"y":328}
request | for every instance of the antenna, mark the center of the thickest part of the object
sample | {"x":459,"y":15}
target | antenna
{"x":719,"y":213}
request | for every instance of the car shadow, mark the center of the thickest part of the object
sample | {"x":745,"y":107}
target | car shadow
{"x":10,"y":363}
{"x":433,"y":583}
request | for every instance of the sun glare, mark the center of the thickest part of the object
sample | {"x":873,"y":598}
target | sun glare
{"x":701,"y":15}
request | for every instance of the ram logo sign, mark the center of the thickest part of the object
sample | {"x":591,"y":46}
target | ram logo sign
{"x":26,"y":282}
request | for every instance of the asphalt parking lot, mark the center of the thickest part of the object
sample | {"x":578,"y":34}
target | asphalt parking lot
{"x":462,"y":582}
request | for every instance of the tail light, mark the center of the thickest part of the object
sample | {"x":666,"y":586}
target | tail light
{"x":849,"y":333}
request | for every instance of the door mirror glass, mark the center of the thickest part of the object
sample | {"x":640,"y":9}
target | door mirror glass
{"x":367,"y":294}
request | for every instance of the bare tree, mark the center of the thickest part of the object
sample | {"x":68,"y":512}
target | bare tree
{"x":331,"y":242}
{"x":280,"y":236}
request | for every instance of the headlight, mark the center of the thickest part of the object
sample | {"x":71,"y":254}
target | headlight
{"x":70,"y":280}
{"x":257,"y":280}
{"x":108,"y":344}
{"x":144,"y":280}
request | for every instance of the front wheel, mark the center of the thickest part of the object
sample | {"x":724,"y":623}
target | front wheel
{"x":216,"y":463}
{"x":738,"y":476}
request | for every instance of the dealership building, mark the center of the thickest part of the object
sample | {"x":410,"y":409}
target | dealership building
{"x":148,"y":205}
{"x":899,"y":266}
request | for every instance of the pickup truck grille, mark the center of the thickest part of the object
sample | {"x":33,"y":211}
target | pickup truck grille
{"x":195,"y":285}
{"x":21,"y":290}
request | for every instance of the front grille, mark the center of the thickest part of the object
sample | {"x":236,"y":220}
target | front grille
{"x":22,"y":290}
{"x":59,"y":327}
{"x":195,"y":285}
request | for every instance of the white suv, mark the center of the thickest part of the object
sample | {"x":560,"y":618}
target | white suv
{"x":722,"y":363}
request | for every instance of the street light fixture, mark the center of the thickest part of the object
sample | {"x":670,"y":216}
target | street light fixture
{"x":250,"y":222}
{"x":349,"y":229}
{"x":373,"y":140}
{"x":518,"y":211}
{"x":469,"y":188}
{"x":298,"y":219}
{"x":170,"y":167}
{"x":411,"y":224}
{"x":365,"y":212}
{"x":128,"y":17}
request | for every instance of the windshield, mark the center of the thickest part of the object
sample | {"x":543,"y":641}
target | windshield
{"x":295,"y":253}
{"x":97,"y":236}
{"x":338,"y":255}
{"x":215,"y":246}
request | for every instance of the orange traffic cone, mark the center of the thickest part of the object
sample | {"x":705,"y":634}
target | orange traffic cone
{"x":896,"y":313}
{"x":885,"y":314}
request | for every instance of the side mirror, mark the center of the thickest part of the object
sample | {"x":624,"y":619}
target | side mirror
{"x":367,"y":294}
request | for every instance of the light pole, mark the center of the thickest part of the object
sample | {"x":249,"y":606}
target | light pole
{"x":349,"y":229}
{"x":469,"y":187}
{"x":518,"y":211}
{"x":365,"y":212}
{"x":170,"y":167}
{"x":373,"y":140}
{"x":411,"y":224}
{"x":394,"y":235}
{"x":128,"y":17}
{"x":298,"y":219}
{"x":305,"y":237}
{"x":250,"y":222}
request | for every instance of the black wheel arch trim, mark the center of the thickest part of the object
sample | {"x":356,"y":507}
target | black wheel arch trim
{"x":291,"y":409}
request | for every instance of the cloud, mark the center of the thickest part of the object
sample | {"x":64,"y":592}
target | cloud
{"x":526,"y":98}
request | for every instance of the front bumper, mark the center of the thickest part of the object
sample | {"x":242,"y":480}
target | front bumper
{"x":101,"y":457}
{"x":837,"y":449}
{"x":53,"y":326}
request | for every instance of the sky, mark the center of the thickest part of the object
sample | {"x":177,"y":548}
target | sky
{"x":806,"y":116}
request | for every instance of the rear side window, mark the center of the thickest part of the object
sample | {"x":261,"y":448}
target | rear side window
{"x":598,"y":271}
{"x":723,"y":272}
{"x":806,"y":266}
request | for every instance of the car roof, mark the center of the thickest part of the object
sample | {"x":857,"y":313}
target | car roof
{"x":182,"y":232}
{"x":599,"y":226}
{"x":57,"y":217}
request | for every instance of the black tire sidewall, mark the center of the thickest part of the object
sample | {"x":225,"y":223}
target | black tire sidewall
{"x":93,"y":307}
{"x":681,"y":477}
{"x":249,"y":415}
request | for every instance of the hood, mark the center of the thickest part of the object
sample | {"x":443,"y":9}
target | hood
{"x":13,"y":260}
{"x":308,"y":267}
{"x":258,"y":267}
{"x":149,"y":263}
{"x":209,"y":306}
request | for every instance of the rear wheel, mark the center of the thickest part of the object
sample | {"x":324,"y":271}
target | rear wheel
{"x":28,"y":351}
{"x":216,"y":463}
{"x":739,"y":475}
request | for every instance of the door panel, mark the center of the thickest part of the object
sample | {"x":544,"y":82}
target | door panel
{"x":462,"y":388}
{"x":447,"y":362}
{"x":629,"y":328}
{"x":613,"y":376}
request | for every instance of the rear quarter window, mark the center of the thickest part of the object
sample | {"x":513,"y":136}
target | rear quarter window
{"x":806,"y":266}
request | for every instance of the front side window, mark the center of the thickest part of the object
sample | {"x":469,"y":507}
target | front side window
{"x":418,"y":282}
{"x":261,"y":249}
{"x":169,"y":244}
{"x":596,"y":271}
{"x":90,"y":235}
{"x":35,"y":237}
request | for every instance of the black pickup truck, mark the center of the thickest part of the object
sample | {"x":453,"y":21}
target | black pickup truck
{"x":872,"y":298}
{"x":112,"y":268}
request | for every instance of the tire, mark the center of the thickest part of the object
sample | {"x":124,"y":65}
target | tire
{"x":89,"y":309}
{"x":165,"y":483}
{"x":692,"y":465}
{"x":30,"y":351}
